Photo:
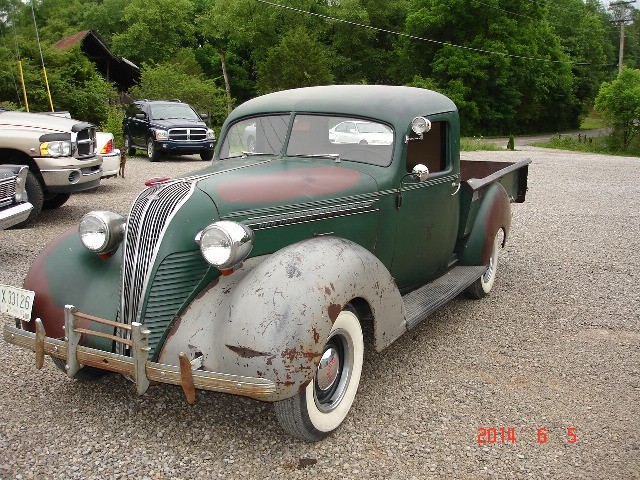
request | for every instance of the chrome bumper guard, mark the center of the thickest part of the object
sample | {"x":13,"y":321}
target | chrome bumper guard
{"x":137,"y":366}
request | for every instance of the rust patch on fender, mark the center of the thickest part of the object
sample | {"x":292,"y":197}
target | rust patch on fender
{"x":316,"y":335}
{"x":334,"y":310}
{"x":327,"y":291}
{"x":292,"y":354}
{"x":246,"y":352}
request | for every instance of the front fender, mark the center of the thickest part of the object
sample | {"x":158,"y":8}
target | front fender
{"x":271,"y":317}
{"x":494,"y":214}
{"x":66,"y":273}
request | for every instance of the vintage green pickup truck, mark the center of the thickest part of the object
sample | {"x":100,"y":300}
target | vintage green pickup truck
{"x":256,"y":275}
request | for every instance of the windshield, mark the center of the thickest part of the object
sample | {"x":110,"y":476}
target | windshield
{"x":313,"y":136}
{"x":166,"y":111}
{"x":258,"y":135}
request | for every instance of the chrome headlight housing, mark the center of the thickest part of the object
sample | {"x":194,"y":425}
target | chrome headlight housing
{"x":162,"y":135}
{"x":101,"y":232}
{"x":210,"y":134}
{"x":225,"y":244}
{"x":56,"y":149}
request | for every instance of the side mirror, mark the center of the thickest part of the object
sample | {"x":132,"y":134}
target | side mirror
{"x":421,"y":172}
{"x":140,"y":116}
{"x":204,"y":116}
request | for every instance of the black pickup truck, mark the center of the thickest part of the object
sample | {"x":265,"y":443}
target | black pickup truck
{"x":162,"y":126}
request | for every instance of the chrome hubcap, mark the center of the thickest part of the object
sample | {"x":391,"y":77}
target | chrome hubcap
{"x":328,"y":369}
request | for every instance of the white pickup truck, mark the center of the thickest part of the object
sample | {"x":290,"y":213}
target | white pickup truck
{"x":60,"y":153}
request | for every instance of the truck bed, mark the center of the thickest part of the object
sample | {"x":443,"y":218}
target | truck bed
{"x":512,"y":175}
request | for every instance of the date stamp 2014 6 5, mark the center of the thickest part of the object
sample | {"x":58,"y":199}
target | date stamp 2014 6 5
{"x":508,"y":435}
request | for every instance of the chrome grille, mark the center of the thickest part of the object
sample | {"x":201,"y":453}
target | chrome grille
{"x":7,"y":190}
{"x":175,"y":279}
{"x":188,"y":134}
{"x":85,"y":143}
{"x":149,"y":216}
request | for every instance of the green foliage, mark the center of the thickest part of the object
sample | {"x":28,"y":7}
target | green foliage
{"x":619,"y":102}
{"x":299,"y":61}
{"x":156,"y":30}
{"x":599,"y":144}
{"x":267,"y":48}
{"x":474,"y":144}
{"x":113,"y":124}
{"x":168,"y":81}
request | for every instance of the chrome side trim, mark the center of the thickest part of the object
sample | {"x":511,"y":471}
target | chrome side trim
{"x":304,"y":216}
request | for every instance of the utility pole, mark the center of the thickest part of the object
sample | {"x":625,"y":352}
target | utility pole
{"x":620,"y":13}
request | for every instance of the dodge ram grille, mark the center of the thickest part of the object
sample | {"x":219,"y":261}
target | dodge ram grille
{"x":86,"y":143}
{"x":188,"y":134}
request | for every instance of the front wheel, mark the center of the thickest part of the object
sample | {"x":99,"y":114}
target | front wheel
{"x":207,"y":155}
{"x":482,"y":286}
{"x":323,"y":405}
{"x":55,"y":201}
{"x":152,"y":153}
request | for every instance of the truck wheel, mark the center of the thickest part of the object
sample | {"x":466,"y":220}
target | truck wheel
{"x":482,"y":286}
{"x":152,"y":153}
{"x":131,"y":151}
{"x":55,"y":201}
{"x":35,"y":195}
{"x":321,"y":407}
{"x":85,"y":374}
{"x":207,"y":155}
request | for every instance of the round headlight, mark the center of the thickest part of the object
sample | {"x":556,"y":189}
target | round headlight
{"x":225,"y":244}
{"x":420,"y":125}
{"x":101,"y":231}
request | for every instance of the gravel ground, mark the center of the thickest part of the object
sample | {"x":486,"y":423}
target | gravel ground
{"x":556,"y":345}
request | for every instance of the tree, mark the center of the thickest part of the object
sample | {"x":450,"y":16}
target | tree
{"x":619,"y":102}
{"x":512,"y":73}
{"x":156,"y":30}
{"x":299,"y":61}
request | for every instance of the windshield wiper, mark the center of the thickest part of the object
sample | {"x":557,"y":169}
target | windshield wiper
{"x":334,"y":156}
{"x":246,"y":154}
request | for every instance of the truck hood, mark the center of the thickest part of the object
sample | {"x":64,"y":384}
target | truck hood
{"x":255,"y":184}
{"x":37,"y":121}
{"x":177,"y":123}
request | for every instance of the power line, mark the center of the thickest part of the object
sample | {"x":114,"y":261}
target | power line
{"x":414,"y":37}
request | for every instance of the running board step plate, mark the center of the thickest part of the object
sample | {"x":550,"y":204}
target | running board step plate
{"x":421,"y":303}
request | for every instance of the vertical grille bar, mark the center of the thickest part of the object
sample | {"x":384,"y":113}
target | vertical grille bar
{"x":149,"y":216}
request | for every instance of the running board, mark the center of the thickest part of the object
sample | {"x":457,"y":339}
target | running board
{"x":421,"y":303}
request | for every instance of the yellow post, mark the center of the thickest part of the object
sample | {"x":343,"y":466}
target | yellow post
{"x":24,"y":90}
{"x":46,"y":82}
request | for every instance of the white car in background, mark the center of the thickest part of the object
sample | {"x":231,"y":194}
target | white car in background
{"x":109,"y":153}
{"x":361,"y":132}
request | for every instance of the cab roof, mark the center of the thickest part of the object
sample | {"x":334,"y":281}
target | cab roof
{"x":394,"y":104}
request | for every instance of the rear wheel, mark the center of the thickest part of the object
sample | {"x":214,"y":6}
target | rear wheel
{"x":55,"y":201}
{"x":482,"y":286}
{"x":128,"y":146}
{"x":323,"y":405}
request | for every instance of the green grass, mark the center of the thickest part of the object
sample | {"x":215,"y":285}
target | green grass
{"x":599,"y":144}
{"x":592,"y":121}
{"x":473,"y":144}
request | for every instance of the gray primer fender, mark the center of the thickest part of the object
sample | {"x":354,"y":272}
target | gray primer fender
{"x":271,"y":317}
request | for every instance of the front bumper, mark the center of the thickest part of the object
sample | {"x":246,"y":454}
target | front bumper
{"x":183,"y":147}
{"x":14,"y":215}
{"x":137,"y":366}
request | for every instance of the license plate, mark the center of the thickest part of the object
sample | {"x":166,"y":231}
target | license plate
{"x":16,"y":302}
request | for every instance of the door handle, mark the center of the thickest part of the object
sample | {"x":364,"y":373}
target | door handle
{"x":457,"y":187}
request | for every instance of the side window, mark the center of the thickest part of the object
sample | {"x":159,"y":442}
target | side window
{"x":431,"y":150}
